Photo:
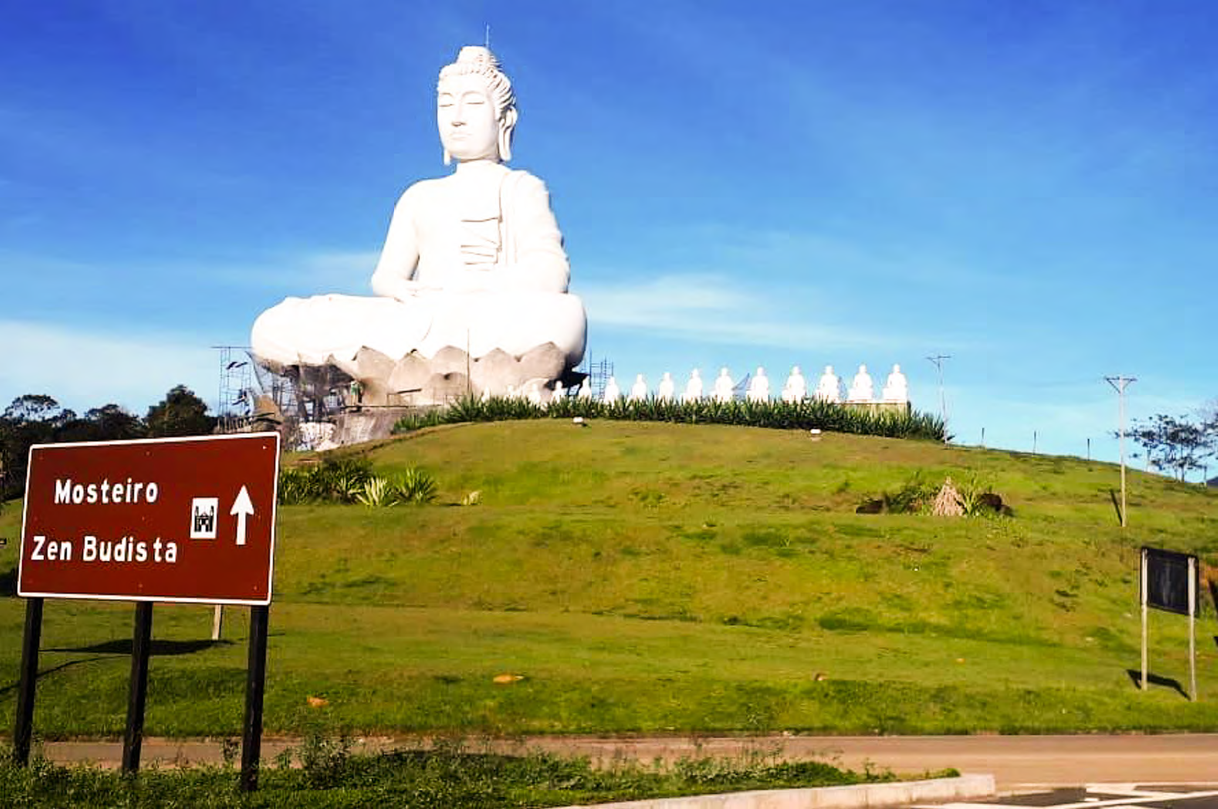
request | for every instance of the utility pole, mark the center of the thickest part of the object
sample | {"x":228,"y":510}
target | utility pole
{"x":1119,"y":383}
{"x":938,"y":361}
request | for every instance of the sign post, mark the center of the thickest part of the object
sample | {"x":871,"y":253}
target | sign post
{"x":185,"y":520}
{"x":1169,"y":583}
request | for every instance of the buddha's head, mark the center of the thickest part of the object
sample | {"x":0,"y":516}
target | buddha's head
{"x":475,"y":108}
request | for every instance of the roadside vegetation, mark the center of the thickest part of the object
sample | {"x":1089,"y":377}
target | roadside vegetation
{"x":810,"y":414}
{"x":322,"y":772}
{"x":640,"y":577}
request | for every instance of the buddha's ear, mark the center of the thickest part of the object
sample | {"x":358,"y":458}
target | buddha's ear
{"x":448,"y":159}
{"x":507,"y":125}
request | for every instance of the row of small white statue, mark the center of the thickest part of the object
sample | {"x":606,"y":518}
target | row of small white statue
{"x":828,"y":388}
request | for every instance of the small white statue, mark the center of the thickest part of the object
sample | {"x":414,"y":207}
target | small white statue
{"x":486,"y":395}
{"x":693,"y":388}
{"x":862,"y":389}
{"x":829,"y":388}
{"x":638,"y":391}
{"x":667,"y":388}
{"x":559,"y":391}
{"x":759,"y":387}
{"x":612,"y":391}
{"x":585,"y":390}
{"x":535,"y":393}
{"x":896,"y":387}
{"x":796,"y":388}
{"x":723,"y":386}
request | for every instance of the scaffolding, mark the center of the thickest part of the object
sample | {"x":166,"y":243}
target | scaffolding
{"x":596,"y":376}
{"x":234,"y":407}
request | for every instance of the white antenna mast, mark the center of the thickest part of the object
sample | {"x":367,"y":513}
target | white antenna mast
{"x":488,"y":36}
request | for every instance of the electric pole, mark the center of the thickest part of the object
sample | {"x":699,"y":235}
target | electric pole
{"x":938,"y":361}
{"x":1119,"y":383}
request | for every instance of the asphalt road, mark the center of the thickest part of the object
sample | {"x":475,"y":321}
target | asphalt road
{"x":1105,"y":796}
{"x":1015,"y":761}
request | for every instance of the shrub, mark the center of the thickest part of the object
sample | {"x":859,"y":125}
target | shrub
{"x":807,"y":415}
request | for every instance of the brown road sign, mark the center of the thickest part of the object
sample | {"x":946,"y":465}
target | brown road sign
{"x":179,"y":519}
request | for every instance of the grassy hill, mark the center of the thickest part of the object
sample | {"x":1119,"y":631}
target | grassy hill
{"x":674,"y":578}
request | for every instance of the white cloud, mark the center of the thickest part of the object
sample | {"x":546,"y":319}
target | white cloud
{"x":83,"y":368}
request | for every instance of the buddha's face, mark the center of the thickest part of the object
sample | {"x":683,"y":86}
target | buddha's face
{"x":467,"y":119}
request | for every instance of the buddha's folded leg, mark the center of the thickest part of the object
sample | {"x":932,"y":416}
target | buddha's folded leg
{"x":326,"y":328}
{"x":512,"y":322}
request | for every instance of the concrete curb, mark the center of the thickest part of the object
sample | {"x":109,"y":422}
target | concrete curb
{"x":933,"y":790}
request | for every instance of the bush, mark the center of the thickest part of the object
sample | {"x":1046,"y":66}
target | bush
{"x":334,"y":480}
{"x":807,"y":415}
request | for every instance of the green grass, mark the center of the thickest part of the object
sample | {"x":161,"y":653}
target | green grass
{"x":674,"y":579}
{"x":444,"y":776}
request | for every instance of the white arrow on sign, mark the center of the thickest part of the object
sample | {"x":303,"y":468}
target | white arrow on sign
{"x":242,"y":507}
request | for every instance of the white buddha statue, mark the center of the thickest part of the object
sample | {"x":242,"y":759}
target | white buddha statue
{"x":638,"y":391}
{"x":862,"y":389}
{"x":723,"y":386}
{"x":473,"y":263}
{"x":829,"y":387}
{"x":585,"y":390}
{"x":759,"y":387}
{"x":796,"y":387}
{"x":559,"y":391}
{"x":896,"y":387}
{"x":668,"y":388}
{"x":612,"y":391}
{"x":693,"y":388}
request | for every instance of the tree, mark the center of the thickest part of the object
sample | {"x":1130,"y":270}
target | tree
{"x":181,"y":412}
{"x":106,"y":423}
{"x":1176,"y":445}
{"x":32,"y":407}
{"x":30,"y":419}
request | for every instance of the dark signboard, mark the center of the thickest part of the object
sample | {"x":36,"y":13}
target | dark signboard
{"x":1167,"y":580}
{"x":181,"y":519}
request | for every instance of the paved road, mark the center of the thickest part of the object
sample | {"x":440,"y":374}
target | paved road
{"x":1105,"y":796}
{"x":1015,"y":761}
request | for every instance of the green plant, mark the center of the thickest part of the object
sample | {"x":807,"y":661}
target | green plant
{"x":337,"y":479}
{"x":415,"y":486}
{"x":914,"y":497}
{"x":806,"y":415}
{"x":377,"y":492}
{"x":324,"y":758}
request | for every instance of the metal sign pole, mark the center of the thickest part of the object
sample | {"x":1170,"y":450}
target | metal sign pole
{"x":1192,"y":628}
{"x":1145,"y":618}
{"x":141,"y":643}
{"x":24,"y":726}
{"x":255,"y":686}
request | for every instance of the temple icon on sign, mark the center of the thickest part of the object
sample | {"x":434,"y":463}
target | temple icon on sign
{"x":203,"y":511}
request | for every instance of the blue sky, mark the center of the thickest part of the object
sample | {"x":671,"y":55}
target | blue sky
{"x":1029,"y":187}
